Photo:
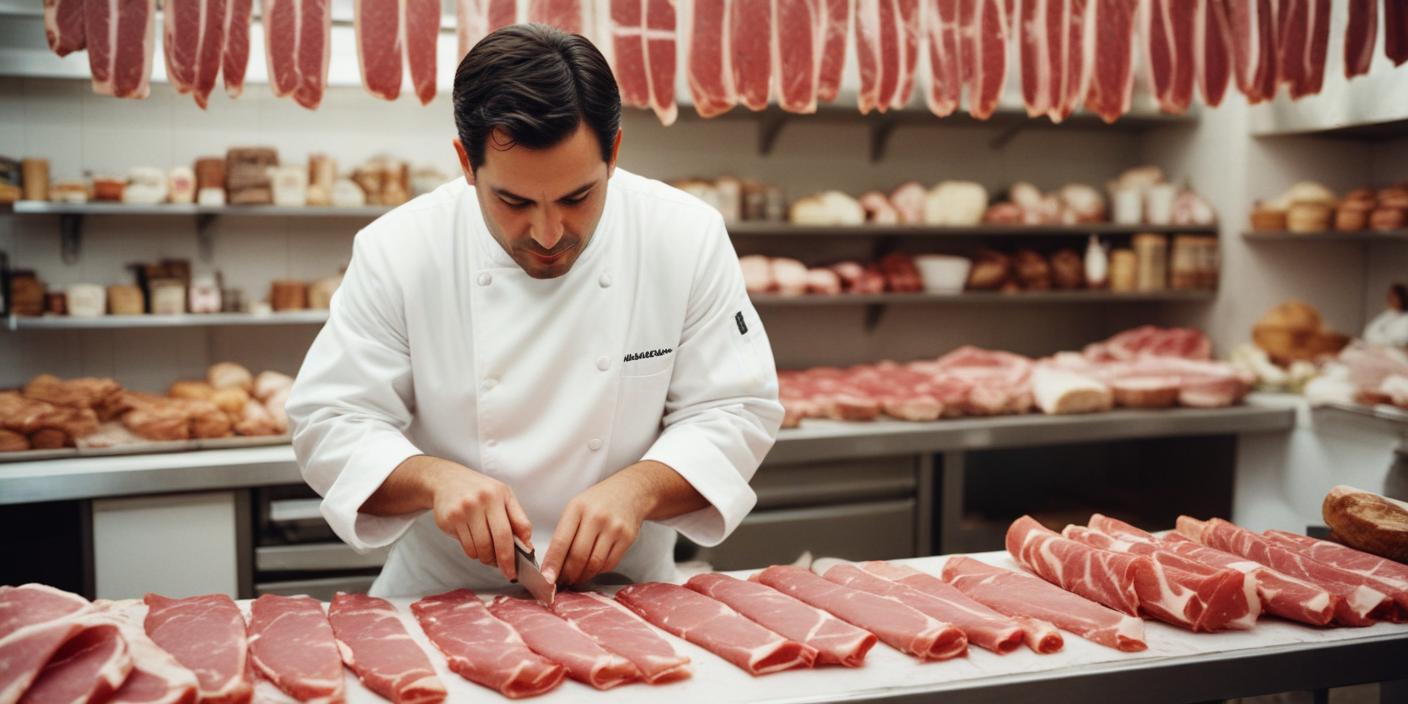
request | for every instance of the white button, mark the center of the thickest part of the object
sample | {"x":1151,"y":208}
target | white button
{"x":603,"y":363}
{"x":605,"y":280}
{"x":490,"y":383}
{"x":594,"y":444}
{"x":485,"y":279}
{"x":492,"y":443}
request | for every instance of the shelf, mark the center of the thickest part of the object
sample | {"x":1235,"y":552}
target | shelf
{"x":34,"y":207}
{"x":771,"y":299}
{"x":1384,"y":416}
{"x":772,"y":229}
{"x":1327,"y":236}
{"x":190,"y":320}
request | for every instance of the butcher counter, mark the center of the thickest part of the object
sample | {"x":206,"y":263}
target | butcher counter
{"x":239,"y":521}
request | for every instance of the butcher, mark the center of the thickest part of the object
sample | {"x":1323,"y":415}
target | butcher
{"x":549,"y":348}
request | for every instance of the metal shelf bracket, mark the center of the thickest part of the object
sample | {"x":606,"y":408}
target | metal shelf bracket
{"x":70,"y":237}
{"x":874,"y":313}
{"x":205,"y":240}
{"x":770,"y":124}
{"x":880,"y":132}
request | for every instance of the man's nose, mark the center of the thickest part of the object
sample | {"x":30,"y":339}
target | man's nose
{"x":548,"y":227}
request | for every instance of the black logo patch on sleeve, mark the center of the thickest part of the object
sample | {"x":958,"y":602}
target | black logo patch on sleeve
{"x":742,"y":326}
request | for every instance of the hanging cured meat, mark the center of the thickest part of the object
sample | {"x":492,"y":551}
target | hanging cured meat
{"x":296,"y":42}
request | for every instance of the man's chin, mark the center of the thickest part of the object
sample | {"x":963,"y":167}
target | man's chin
{"x":549,"y":270}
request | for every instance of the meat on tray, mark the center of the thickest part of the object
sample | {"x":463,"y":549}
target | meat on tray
{"x":376,"y":646}
{"x":483,"y":649}
{"x":292,"y":645}
{"x":90,"y":666}
{"x":206,"y":634}
{"x":835,"y":641}
{"x":156,"y":676}
{"x":1380,"y":573}
{"x":715,"y":627}
{"x":897,"y":625}
{"x":618,"y":630}
{"x":558,"y":640}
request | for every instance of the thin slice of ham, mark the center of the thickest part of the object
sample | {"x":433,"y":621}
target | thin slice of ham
{"x":193,"y":39}
{"x":235,"y":59}
{"x":1023,"y":596}
{"x":483,"y":649}
{"x":1359,"y":37}
{"x":88,"y":667}
{"x":708,"y":57}
{"x":983,"y":626}
{"x":1361,"y":604}
{"x":1101,"y":576}
{"x":750,"y":37}
{"x":618,"y":630}
{"x":1110,"y":57}
{"x":26,"y":650}
{"x":420,"y":22}
{"x":377,"y":28}
{"x":120,"y":36}
{"x":839,"y":14}
{"x":836,"y":642}
{"x":63,"y":26}
{"x":156,"y":676}
{"x":206,"y":634}
{"x":1381,"y":573}
{"x":297,"y":39}
{"x":712,"y":625}
{"x":945,"y":63}
{"x":1212,"y":50}
{"x":375,"y":645}
{"x":558,"y":640}
{"x":292,"y":644}
{"x":898,"y":626}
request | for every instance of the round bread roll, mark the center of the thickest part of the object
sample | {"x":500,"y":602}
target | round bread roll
{"x":226,"y":375}
{"x":1369,"y":522}
{"x":232,"y":401}
{"x":1293,"y":315}
{"x":269,"y":383}
{"x":193,"y":390}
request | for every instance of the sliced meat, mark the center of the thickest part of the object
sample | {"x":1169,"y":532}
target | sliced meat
{"x":708,"y":58}
{"x":750,"y":38}
{"x":235,"y":58}
{"x":377,"y":25}
{"x":715,"y":627}
{"x":983,"y":31}
{"x":909,"y":16}
{"x":1167,"y":39}
{"x":1252,"y":31}
{"x":292,"y":645}
{"x":835,"y":641}
{"x":797,"y":39}
{"x":945,"y":62}
{"x":1111,"y":57}
{"x":296,"y":42}
{"x":833,"y":48}
{"x":193,"y":34}
{"x":659,"y":39}
{"x":558,"y":640}
{"x":29,"y":604}
{"x":1359,"y":37}
{"x":88,"y":667}
{"x":1395,"y":32}
{"x":206,"y":634}
{"x":897,"y":625}
{"x":375,"y":645}
{"x":476,"y":19}
{"x":421,"y":23}
{"x":1212,"y":51}
{"x":1039,"y":53}
{"x":1382,"y":574}
{"x":1041,"y":636}
{"x":1104,"y":577}
{"x":1024,"y":596}
{"x":483,"y":649}
{"x":63,"y":26}
{"x":1303,"y":43}
{"x":983,"y":626}
{"x":566,"y":15}
{"x":120,"y":39}
{"x":628,"y":52}
{"x":870,"y":48}
{"x":25,"y":651}
{"x":156,"y":676}
{"x":616,"y":629}
{"x":1361,"y":605}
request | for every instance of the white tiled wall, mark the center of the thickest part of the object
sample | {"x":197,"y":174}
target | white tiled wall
{"x":78,"y":131}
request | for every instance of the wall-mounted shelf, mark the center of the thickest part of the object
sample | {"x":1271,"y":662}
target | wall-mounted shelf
{"x":772,"y":229}
{"x":190,"y":320}
{"x":1328,"y":236}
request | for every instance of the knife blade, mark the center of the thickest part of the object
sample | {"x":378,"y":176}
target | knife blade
{"x":530,"y":576}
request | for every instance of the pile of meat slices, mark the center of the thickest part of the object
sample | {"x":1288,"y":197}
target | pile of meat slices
{"x":1072,"y":54}
{"x":1097,"y":582}
{"x":1146,"y":367}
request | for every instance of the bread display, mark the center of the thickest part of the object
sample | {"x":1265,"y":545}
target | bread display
{"x":1294,"y":331}
{"x":1366,"y":521}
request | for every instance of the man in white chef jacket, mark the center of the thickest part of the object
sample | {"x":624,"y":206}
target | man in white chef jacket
{"x":550,"y":347}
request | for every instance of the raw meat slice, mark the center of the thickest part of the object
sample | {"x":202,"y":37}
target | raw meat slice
{"x":750,"y":38}
{"x":206,"y":634}
{"x":1306,"y":34}
{"x":566,"y":15}
{"x":1152,"y":341}
{"x":88,"y":667}
{"x":296,"y":42}
{"x":799,"y":31}
{"x":1110,"y":57}
{"x":1166,"y":30}
{"x":1025,"y":596}
{"x":888,"y":34}
{"x":910,"y":19}
{"x":659,"y":40}
{"x":1055,"y":69}
{"x":619,"y":631}
{"x":156,"y":676}
{"x":1359,"y":37}
{"x":898,"y":626}
{"x":1041,"y":636}
{"x":421,"y":25}
{"x":558,"y":640}
{"x":63,"y":25}
{"x":870,"y":49}
{"x":120,"y":39}
{"x":29,"y":604}
{"x":1382,"y":574}
{"x":945,"y":69}
{"x":375,"y":645}
{"x":715,"y":627}
{"x":983,"y":30}
{"x":193,"y":33}
{"x":1252,"y":30}
{"x":835,"y":641}
{"x":833,"y":48}
{"x":291,"y":643}
{"x":377,"y":25}
{"x":476,"y":19}
{"x":983,"y":626}
{"x":628,"y":52}
{"x":235,"y":58}
{"x":708,"y":58}
{"x":1213,"y":52}
{"x":1395,"y":32}
{"x":1213,"y":599}
{"x":483,"y":649}
{"x":1361,"y":604}
{"x":25,"y":651}
{"x":1101,"y":576}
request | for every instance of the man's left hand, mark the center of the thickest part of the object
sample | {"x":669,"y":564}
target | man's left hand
{"x":598,"y":526}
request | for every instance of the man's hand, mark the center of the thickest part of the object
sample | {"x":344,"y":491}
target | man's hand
{"x":477,"y":510}
{"x":601,"y":523}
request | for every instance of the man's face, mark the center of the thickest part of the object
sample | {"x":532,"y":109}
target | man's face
{"x":542,"y":205}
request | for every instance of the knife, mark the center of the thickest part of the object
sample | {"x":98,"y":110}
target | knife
{"x":530,"y":576}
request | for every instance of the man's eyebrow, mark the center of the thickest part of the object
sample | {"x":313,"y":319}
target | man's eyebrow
{"x":510,"y":195}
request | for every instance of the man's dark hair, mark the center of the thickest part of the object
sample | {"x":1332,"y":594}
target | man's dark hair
{"x":536,"y":84}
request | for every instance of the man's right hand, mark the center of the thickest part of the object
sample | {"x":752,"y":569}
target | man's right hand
{"x":477,"y":510}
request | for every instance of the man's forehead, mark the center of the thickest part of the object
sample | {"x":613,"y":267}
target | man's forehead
{"x":552,"y":172}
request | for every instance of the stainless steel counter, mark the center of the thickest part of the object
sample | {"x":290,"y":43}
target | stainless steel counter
{"x":214,"y":470}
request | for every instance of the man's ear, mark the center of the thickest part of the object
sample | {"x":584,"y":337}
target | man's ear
{"x":464,"y":160}
{"x":615,"y":152}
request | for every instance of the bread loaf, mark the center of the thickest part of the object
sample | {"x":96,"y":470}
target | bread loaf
{"x":1369,"y":522}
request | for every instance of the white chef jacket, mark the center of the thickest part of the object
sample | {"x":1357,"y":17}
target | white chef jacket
{"x":439,"y":344}
{"x":1389,"y":328}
